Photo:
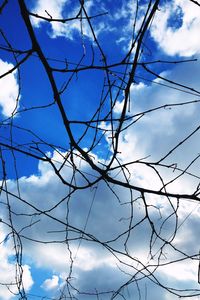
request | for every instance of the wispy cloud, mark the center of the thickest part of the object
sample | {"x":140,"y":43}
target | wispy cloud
{"x":55,"y":9}
{"x":168,"y":33}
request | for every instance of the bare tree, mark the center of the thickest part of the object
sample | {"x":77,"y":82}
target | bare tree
{"x":94,"y":178}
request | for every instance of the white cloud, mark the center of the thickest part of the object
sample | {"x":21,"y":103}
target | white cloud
{"x":173,"y":23}
{"x":57,"y":258}
{"x":164,"y":127}
{"x":94,"y":266}
{"x":44,"y":7}
{"x":59,"y":10}
{"x":55,"y":10}
{"x":51,"y":283}
{"x":91,"y":261}
{"x":155,"y":134}
{"x":8,"y":89}
{"x":182,"y":39}
{"x":8,"y":270}
{"x":109,"y":217}
{"x":27,"y":278}
{"x":181,"y":272}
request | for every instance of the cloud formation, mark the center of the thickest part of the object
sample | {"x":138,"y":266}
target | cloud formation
{"x":8,"y":269}
{"x":55,"y":9}
{"x":51,"y":283}
{"x":92,"y":265}
{"x":176,"y":28}
{"x":173,"y":23}
{"x":103,"y":232}
{"x":8,"y":89}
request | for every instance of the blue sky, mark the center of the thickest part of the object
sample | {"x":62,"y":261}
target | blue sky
{"x":105,"y":210}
